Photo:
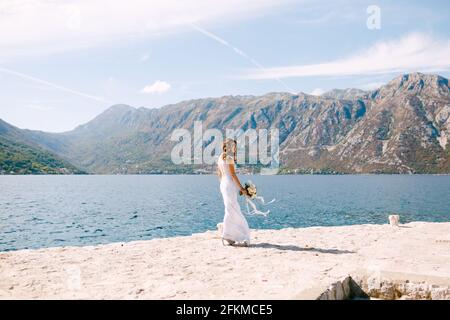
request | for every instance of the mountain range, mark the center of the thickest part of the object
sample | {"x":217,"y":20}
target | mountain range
{"x":401,"y":127}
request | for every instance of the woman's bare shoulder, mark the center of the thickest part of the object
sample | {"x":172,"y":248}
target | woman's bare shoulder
{"x":229,"y":159}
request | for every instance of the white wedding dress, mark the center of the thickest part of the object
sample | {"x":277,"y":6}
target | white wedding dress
{"x":235,"y":226}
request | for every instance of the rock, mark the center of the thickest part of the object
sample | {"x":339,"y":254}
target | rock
{"x":406,"y":290}
{"x":339,"y":291}
{"x":332,"y":292}
{"x":336,"y":291}
{"x":440,"y":294}
{"x":356,"y":288}
{"x":327,"y":295}
{"x":346,"y":287}
{"x":387,"y":291}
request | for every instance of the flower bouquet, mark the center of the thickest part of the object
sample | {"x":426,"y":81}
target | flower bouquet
{"x":250,"y":188}
{"x":252,"y":193}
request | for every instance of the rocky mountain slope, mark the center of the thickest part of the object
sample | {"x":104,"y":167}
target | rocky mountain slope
{"x":402,"y":127}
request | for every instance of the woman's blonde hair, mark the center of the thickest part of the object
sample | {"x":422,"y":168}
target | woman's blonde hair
{"x":227,"y":146}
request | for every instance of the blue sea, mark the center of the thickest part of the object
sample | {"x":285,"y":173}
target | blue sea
{"x":48,"y":211}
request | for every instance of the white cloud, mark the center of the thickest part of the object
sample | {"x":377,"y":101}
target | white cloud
{"x":156,"y":87}
{"x":317,"y":92}
{"x":414,"y":52}
{"x":42,"y":26}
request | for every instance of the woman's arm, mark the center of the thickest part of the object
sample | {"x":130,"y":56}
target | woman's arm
{"x":236,"y":179}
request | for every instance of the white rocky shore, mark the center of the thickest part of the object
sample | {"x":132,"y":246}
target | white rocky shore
{"x":411,"y":261}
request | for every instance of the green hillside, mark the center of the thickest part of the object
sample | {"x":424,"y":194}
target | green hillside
{"x":19,"y":158}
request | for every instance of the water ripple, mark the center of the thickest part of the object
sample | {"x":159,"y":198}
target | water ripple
{"x":44,"y":211}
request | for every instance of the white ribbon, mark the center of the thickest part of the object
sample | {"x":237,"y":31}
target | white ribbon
{"x":255,"y":211}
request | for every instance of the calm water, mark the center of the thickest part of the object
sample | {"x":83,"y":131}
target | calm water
{"x":46,"y":211}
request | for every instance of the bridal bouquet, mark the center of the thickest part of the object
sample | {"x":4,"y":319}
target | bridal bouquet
{"x":251,"y":189}
{"x":252,"y":193}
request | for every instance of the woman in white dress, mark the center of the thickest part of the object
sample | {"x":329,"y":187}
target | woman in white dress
{"x":235,"y":226}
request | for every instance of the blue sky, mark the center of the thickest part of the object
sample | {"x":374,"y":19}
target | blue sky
{"x":62,"y":63}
